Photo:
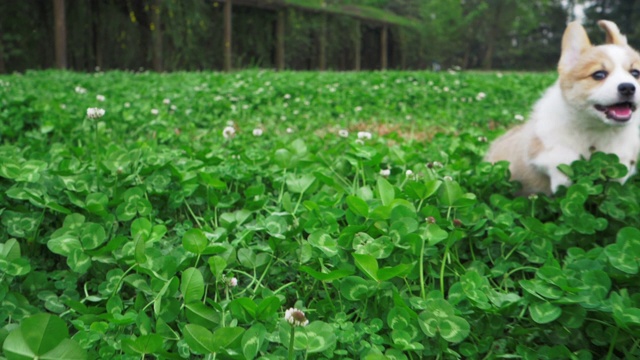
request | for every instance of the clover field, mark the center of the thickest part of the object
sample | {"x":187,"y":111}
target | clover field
{"x":186,"y":220}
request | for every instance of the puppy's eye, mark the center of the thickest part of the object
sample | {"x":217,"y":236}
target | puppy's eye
{"x":599,"y":75}
{"x":635,"y":73}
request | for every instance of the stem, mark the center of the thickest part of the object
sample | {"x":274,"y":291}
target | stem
{"x":444,"y":261}
{"x":291,"y":341}
{"x":423,"y":292}
{"x":115,"y":291}
{"x":613,"y":343}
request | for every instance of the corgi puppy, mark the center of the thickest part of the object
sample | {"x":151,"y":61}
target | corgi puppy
{"x":591,"y":107}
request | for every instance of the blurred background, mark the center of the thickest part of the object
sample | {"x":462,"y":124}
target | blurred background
{"x":175,"y":35}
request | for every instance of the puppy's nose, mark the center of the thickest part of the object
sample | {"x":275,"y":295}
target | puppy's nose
{"x":626,"y":89}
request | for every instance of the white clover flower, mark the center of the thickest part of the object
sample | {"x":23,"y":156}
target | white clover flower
{"x":343,"y":133}
{"x":95,"y":113}
{"x":385,"y":172}
{"x":173,"y":108}
{"x":376,"y":87}
{"x":80,"y":90}
{"x":481,"y":96}
{"x":519,"y":117}
{"x":408,"y":117}
{"x":257,"y":132}
{"x":229,"y":132}
{"x":499,"y":75}
{"x":233,"y":282}
{"x":63,"y":106}
{"x":287,"y":96}
{"x":296,"y":317}
{"x":166,"y":101}
{"x":289,"y":130}
{"x":364,"y":135}
{"x":409,"y":172}
{"x":446,"y":89}
{"x":101,"y":98}
{"x":358,"y":108}
{"x":127,"y":104}
{"x":448,"y":178}
{"x":245,"y":107}
{"x":155,"y":111}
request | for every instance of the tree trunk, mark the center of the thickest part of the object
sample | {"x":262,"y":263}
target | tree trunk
{"x":487,"y":63}
{"x":60,"y":33}
{"x":384,"y":47}
{"x":227,"y":35}
{"x":280,"y":41}
{"x":3,"y":68}
{"x":156,"y":33}
{"x":357,"y":47}
{"x":322,"y":44}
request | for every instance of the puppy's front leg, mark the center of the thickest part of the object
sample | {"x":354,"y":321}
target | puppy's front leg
{"x":547,"y":162}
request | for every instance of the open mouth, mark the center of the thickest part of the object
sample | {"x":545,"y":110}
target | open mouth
{"x":620,"y":112}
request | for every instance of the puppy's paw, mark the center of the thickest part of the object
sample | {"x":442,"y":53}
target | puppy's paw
{"x":557,"y":180}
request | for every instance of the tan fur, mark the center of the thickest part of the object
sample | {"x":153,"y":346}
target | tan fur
{"x":509,"y":147}
{"x":613,"y":35}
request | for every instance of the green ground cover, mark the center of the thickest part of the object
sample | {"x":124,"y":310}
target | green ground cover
{"x":185,"y":222}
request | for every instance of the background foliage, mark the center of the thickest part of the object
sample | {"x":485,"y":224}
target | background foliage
{"x":116,"y":34}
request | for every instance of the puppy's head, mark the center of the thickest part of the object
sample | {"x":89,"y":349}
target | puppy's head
{"x":600,"y":82}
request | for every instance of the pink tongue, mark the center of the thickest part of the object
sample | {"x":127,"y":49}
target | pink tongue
{"x":620,"y":111}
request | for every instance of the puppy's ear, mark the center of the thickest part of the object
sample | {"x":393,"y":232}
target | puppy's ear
{"x":574,"y":42}
{"x":613,"y":33}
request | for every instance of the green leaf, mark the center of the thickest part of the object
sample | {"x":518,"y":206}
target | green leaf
{"x":42,"y":336}
{"x":252,"y":340}
{"x":78,"y":261}
{"x":199,"y":339}
{"x":192,"y":285}
{"x":450,"y":192}
{"x":92,"y":236}
{"x":454,"y":329}
{"x":223,"y":337}
{"x":140,"y":250}
{"x":202,"y":314}
{"x":355,"y":288}
{"x":10,"y":250}
{"x":385,"y":191}
{"x":195,"y":241}
{"x":544,"y":312}
{"x":330,"y":276}
{"x":387,"y":273}
{"x":145,"y":344}
{"x":358,"y":206}
{"x":368,"y":264}
{"x":217,"y":264}
{"x":141,"y":229}
{"x":299,"y":184}
{"x":267,"y":308}
{"x":324,"y":242}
